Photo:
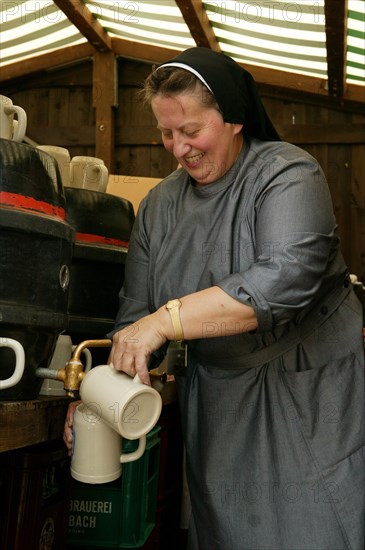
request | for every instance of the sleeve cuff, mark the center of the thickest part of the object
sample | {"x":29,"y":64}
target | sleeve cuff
{"x":240,"y":289}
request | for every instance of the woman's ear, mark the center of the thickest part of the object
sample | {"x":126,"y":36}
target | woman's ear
{"x":237,"y":128}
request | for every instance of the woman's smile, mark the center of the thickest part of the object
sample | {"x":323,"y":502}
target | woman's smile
{"x":192,"y":161}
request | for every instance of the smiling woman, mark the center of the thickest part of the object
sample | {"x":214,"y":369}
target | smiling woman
{"x":237,"y":252}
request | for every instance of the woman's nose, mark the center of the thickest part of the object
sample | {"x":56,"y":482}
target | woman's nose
{"x":180,"y":146}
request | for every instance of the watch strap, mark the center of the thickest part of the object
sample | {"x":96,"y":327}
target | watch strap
{"x":173,"y":307}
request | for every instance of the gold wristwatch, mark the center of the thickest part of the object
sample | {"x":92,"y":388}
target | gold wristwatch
{"x":173,"y":307}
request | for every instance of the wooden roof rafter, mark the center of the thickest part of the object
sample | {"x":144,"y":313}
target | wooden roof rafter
{"x":47,"y":61}
{"x":83,"y":19}
{"x":196,"y":18}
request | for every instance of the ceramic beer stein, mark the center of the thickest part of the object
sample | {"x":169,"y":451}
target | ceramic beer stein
{"x":10,"y":128}
{"x":97,"y":455}
{"x":124,"y":403}
{"x":63,"y":158}
{"x":88,"y":173}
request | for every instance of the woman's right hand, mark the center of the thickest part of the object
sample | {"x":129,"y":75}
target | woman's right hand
{"x":67,"y":429}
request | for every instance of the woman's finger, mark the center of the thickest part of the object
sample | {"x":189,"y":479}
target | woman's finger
{"x":141,"y":368}
{"x":67,"y":430}
{"x":126,"y":363}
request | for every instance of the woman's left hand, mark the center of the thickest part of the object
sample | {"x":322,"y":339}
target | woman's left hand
{"x":134,"y":345}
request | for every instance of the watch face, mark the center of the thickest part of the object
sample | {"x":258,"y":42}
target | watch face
{"x":173,"y":303}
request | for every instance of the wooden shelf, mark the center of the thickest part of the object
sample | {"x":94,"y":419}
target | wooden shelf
{"x":25,"y":423}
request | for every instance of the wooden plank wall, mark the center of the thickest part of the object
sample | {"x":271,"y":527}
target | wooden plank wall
{"x":60,"y":112}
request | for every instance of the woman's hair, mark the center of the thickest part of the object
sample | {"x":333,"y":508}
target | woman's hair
{"x":171,"y":81}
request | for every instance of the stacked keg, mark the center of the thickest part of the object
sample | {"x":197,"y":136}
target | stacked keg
{"x":102,"y":225}
{"x":63,"y":251}
{"x":36,"y":244}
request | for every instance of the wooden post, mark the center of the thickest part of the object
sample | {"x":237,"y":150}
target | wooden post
{"x":336,"y":41}
{"x":105,"y":98}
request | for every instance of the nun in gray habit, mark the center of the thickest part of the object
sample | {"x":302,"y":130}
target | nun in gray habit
{"x":273,"y":413}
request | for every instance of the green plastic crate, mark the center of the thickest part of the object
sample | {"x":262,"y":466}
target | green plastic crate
{"x":120,"y":514}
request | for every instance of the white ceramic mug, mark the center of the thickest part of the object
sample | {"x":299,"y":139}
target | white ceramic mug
{"x":61,"y":355}
{"x":9,"y":130}
{"x":88,"y":173}
{"x":97,"y":448}
{"x":63,"y":158}
{"x":19,"y":362}
{"x":124,"y":403}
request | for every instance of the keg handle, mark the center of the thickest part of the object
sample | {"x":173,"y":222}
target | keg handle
{"x":19,"y":362}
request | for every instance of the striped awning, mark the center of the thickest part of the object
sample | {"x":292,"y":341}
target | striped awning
{"x":280,"y":35}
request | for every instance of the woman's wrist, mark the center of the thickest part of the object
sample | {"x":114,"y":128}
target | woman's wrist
{"x":165,"y":323}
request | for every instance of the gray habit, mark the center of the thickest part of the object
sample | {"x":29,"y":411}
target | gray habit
{"x":273,"y":419}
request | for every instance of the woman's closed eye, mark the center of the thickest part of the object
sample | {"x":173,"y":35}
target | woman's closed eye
{"x":168,"y":135}
{"x":191,"y":134}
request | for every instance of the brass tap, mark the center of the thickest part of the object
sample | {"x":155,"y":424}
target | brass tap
{"x":73,"y":373}
{"x":158,"y":376}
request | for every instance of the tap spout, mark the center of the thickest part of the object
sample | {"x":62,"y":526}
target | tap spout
{"x":89,"y":344}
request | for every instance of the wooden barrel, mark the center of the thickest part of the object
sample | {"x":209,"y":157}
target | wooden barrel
{"x":36,"y":249}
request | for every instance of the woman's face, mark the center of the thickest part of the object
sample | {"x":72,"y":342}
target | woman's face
{"x":197,"y":136}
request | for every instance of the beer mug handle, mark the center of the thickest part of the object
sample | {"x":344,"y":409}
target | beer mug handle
{"x":104,"y":176}
{"x":19,"y":362}
{"x":103,"y":172}
{"x":21,"y":126}
{"x":137,"y":379}
{"x":130,"y":457}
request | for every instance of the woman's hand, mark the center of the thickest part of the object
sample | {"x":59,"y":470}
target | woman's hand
{"x":134,"y":345}
{"x":67,"y":429}
{"x":131,"y":353}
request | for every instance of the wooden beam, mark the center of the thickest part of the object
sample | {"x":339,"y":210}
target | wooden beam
{"x":300,"y":83}
{"x":46,"y":61}
{"x":105,"y":93}
{"x":336,"y":40}
{"x":277,"y":80}
{"x":142,"y":52}
{"x":25,"y":423}
{"x":283,"y":79}
{"x":197,"y":20}
{"x":84,"y":20}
